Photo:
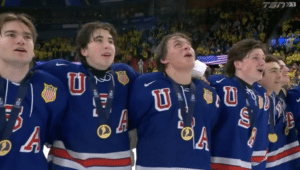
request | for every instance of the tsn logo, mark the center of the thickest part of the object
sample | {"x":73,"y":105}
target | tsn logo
{"x":273,"y":5}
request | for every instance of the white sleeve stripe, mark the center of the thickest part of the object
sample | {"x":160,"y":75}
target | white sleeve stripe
{"x":284,"y":148}
{"x":83,"y":156}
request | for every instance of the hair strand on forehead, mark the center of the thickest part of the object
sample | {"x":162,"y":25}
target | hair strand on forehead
{"x":85,"y":34}
{"x":24,"y":18}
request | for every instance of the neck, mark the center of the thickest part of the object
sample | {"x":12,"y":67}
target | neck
{"x":180,"y":77}
{"x":96,"y":72}
{"x":270,"y":92}
{"x":277,"y":91}
{"x":244,"y":79}
{"x":13,"y":73}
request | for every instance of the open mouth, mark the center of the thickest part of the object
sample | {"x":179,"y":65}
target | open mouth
{"x":260,"y":70}
{"x":106,"y":54}
{"x":21,"y":50}
{"x":188,"y":55}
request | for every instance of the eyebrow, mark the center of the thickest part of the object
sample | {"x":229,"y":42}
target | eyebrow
{"x":99,"y":36}
{"x":176,"y":40}
{"x":274,"y":68}
{"x":13,"y":31}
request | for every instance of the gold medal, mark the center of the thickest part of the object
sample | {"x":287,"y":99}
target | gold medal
{"x":104,"y":131}
{"x":273,"y":137}
{"x":187,"y":133}
{"x":5,"y":147}
{"x":286,"y":130}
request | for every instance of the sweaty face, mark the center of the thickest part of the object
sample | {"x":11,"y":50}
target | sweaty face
{"x":16,"y":43}
{"x":285,"y":79}
{"x":271,"y":80}
{"x":100,"y":52}
{"x":180,"y":54}
{"x":251,"y":68}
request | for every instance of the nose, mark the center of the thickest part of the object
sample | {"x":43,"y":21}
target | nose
{"x":21,"y":40}
{"x":106,"y":44}
{"x":262,"y":62}
{"x":187,"y":46}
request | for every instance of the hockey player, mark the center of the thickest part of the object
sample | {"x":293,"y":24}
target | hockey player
{"x":173,"y":113}
{"x":94,"y":133}
{"x":283,"y":149}
{"x":31,"y":103}
{"x":242,"y":108}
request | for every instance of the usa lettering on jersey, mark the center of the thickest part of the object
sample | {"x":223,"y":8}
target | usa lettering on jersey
{"x":162,"y":99}
{"x":76,"y":82}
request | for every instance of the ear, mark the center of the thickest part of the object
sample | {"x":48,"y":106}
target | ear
{"x":238,"y":65}
{"x":84,"y":52}
{"x":164,"y":61}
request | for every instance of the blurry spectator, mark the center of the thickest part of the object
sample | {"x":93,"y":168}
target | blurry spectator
{"x":141,"y":66}
{"x":281,"y":41}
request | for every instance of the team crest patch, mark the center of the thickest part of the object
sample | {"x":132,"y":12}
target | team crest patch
{"x":260,"y":102}
{"x":49,"y":93}
{"x":208,"y":96}
{"x":122,"y":77}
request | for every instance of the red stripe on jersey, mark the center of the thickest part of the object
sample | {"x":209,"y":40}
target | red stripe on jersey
{"x":257,"y":158}
{"x":92,"y":161}
{"x":283,"y":154}
{"x":226,"y":167}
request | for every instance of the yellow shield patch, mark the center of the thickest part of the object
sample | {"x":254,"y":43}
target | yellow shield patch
{"x":122,"y":77}
{"x":260,"y":102}
{"x":49,"y":93}
{"x":207,"y":95}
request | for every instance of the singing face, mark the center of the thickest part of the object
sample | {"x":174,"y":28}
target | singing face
{"x":271,"y":80}
{"x":100,"y":52}
{"x":251,"y":68}
{"x":285,"y":79}
{"x":180,"y":54}
{"x":16,"y":43}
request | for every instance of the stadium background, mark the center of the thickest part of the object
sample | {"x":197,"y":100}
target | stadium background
{"x":214,"y":27}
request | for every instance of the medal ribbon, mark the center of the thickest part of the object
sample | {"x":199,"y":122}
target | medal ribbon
{"x":103,"y":113}
{"x":252,"y":114}
{"x":186,"y":115}
{"x":6,"y":128}
{"x":272,"y":112}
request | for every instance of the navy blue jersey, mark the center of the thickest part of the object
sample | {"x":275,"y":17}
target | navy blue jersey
{"x":233,"y":138}
{"x":44,"y":105}
{"x":155,"y":112}
{"x":78,"y":146}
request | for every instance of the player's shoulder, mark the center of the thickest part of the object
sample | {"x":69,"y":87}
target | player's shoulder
{"x":150,"y":81}
{"x":294,"y":92}
{"x":56,"y":62}
{"x":259,"y":88}
{"x":59,"y":64}
{"x":202,"y":84}
{"x":124,"y":69}
{"x":157,"y":76}
{"x":40,"y":76}
{"x":220,"y":80}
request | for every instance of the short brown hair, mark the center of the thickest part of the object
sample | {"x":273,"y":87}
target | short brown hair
{"x":161,"y":50}
{"x":24,"y":18}
{"x":85,"y":33}
{"x":239,"y":51}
